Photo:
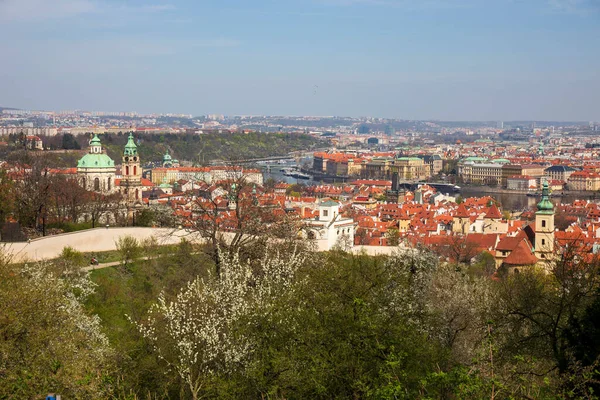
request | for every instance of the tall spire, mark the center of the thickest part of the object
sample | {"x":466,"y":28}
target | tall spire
{"x":130,"y":147}
{"x":545,"y":205}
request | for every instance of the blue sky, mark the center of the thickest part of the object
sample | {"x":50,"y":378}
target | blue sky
{"x":428,"y":59}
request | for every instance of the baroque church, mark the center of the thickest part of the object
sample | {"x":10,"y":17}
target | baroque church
{"x":96,"y":172}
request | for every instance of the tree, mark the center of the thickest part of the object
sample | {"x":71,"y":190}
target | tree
{"x":460,"y":306}
{"x":69,"y":142}
{"x":48,"y":342}
{"x":540,"y":311}
{"x":67,"y":199}
{"x":145,"y":218}
{"x":350,"y":330}
{"x":393,"y":237}
{"x":31,"y":190}
{"x":129,"y":249}
{"x":199,"y":334}
{"x":457,"y":248}
{"x":98,"y":205}
{"x":232,"y":218}
{"x":6,"y":197}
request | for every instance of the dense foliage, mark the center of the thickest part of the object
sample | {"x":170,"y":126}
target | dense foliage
{"x":288,"y":323}
{"x":201,"y":149}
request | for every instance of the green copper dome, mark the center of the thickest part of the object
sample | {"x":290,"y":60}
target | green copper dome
{"x":167,"y":156}
{"x":130,"y":147}
{"x":95,"y":161}
{"x":545,"y":206}
{"x":95,"y":141}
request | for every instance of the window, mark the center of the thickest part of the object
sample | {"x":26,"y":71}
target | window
{"x":543,"y":223}
{"x":97,"y":184}
{"x":127,"y":170}
{"x":108,"y":183}
{"x":135,"y":169}
{"x":325,"y":213}
{"x":543,"y":242}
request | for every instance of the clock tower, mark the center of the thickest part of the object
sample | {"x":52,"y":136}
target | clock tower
{"x":131,"y":182}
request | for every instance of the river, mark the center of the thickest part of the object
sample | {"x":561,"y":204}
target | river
{"x":508,"y":201}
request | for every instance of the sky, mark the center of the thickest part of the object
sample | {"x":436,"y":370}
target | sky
{"x":426,"y":59}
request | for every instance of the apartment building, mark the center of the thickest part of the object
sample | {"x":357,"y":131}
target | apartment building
{"x":559,"y":173}
{"x":584,"y":181}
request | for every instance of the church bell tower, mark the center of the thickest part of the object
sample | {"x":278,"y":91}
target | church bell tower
{"x":131,"y":182}
{"x":544,"y":227}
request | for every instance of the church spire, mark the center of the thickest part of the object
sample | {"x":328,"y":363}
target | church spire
{"x":545,"y":205}
{"x":130,"y":147}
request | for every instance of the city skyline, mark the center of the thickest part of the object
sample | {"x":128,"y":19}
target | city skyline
{"x":465,"y":60}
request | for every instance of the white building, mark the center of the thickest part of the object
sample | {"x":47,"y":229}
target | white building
{"x":330,"y":228}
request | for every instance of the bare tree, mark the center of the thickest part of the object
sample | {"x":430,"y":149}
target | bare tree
{"x":32,"y":190}
{"x":458,"y":248}
{"x":230,"y":216}
{"x":67,"y":199}
{"x":98,"y":205}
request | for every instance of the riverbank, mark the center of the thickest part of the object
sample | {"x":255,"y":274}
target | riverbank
{"x":491,"y":190}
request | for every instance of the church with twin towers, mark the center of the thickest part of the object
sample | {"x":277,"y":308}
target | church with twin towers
{"x":97,"y":172}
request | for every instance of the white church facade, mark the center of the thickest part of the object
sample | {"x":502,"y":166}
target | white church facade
{"x":329,"y":228}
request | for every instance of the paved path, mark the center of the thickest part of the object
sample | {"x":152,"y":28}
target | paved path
{"x":111,"y":264}
{"x":104,"y":265}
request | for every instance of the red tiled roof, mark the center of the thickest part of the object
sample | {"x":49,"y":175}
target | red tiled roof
{"x":509,"y":243}
{"x":461,"y":211}
{"x":493,"y":212}
{"x":521,"y":255}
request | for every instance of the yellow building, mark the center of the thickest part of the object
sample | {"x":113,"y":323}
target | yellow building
{"x":162,"y":175}
{"x":410,"y":168}
{"x":584,"y":181}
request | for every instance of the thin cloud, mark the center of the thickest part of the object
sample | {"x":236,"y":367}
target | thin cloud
{"x":573,"y":6}
{"x":556,"y":6}
{"x":42,"y":10}
{"x":406,"y":4}
{"x":36,"y":10}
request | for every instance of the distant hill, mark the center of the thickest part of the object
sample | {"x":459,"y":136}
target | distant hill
{"x":204,"y":148}
{"x":7,"y":108}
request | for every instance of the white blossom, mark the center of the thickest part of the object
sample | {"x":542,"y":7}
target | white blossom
{"x":196,"y":334}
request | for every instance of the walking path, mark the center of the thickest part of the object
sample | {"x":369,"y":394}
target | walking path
{"x":110,"y":264}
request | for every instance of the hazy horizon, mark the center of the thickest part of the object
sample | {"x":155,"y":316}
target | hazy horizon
{"x":453,"y":60}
